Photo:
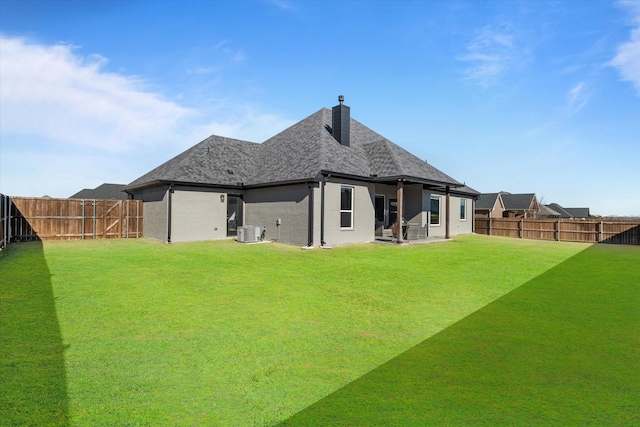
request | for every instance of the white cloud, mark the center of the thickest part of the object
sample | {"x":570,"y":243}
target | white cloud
{"x":491,"y":53}
{"x":53,"y":93}
{"x":627,"y":59}
{"x":67,"y":124}
{"x":283,"y":4}
{"x":243,"y":123}
{"x":577,"y":97}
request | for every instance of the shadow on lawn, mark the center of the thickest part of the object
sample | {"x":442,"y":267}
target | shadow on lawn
{"x":560,"y":349}
{"x":33,"y":385}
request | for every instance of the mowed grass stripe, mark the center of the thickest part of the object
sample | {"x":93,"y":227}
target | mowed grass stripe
{"x":219,"y":333}
{"x":564,"y":349}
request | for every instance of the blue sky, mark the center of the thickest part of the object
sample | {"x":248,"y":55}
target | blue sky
{"x":526,"y":97}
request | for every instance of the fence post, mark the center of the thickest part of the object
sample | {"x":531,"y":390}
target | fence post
{"x":94,"y":218}
{"x":138,"y":218}
{"x":9,"y":228}
{"x":82,"y":238}
{"x":600,"y":231}
{"x":5,"y":219}
{"x":521,"y":229}
{"x":489,"y":226}
{"x":558,"y":230}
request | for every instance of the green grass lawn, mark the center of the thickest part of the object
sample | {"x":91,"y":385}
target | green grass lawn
{"x":134,"y":332}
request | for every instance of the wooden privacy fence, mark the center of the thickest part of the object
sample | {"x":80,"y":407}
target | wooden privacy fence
{"x":4,"y":220}
{"x":568,"y":230}
{"x":71,"y":219}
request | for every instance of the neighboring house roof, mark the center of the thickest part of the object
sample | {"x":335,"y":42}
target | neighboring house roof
{"x":486,"y":201}
{"x":516,"y":202}
{"x":104,"y":191}
{"x":569,"y":212}
{"x":578,"y":212}
{"x":302,"y":152}
{"x":546,"y":210}
{"x":560,"y":210}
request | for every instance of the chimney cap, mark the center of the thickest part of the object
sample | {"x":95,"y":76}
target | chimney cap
{"x":340,"y":99}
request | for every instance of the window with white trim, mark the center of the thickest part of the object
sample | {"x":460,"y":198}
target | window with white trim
{"x":434,"y":212}
{"x":463,"y":209}
{"x":346,"y":207}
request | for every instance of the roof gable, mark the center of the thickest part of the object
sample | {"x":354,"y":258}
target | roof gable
{"x":487,"y":201}
{"x":518,"y":201}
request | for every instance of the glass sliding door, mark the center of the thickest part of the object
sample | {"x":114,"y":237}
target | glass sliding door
{"x":234,"y":215}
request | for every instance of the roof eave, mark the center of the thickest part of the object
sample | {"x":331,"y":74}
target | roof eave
{"x":158,"y":182}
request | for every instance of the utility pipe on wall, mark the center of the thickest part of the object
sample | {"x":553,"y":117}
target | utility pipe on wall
{"x":400,"y":196}
{"x":447,"y":213}
{"x":169,"y":193}
{"x":310,"y":224}
{"x":324,"y":183}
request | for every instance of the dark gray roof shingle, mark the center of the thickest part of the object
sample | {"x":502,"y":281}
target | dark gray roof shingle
{"x":208,"y":162}
{"x":103,"y":192}
{"x":300,"y":152}
{"x":578,"y":212}
{"x":486,"y":200}
{"x":517,"y":201}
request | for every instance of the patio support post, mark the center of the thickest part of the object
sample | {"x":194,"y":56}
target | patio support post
{"x":400,"y":196}
{"x":447,"y":214}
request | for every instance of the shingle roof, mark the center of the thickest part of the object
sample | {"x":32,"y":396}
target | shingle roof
{"x":486,"y":200}
{"x":104,"y":191}
{"x":517,"y":201}
{"x":300,"y":152}
{"x":465,"y":190}
{"x":560,"y":210}
{"x":208,"y":162}
{"x":578,"y":212}
{"x":546,"y":210}
{"x":570,"y":212}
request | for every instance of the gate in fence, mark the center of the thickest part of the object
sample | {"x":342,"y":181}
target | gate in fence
{"x":26,"y":219}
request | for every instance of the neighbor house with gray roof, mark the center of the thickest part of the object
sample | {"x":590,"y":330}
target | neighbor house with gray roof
{"x":489,"y":205}
{"x":519,"y":205}
{"x":326,"y":180}
{"x":562,"y":212}
{"x":103,"y":191}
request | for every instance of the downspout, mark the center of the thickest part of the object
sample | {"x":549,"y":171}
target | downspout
{"x":473,"y":216}
{"x":169,"y":193}
{"x":448,"y":213}
{"x":310,"y":225}
{"x":324,"y":183}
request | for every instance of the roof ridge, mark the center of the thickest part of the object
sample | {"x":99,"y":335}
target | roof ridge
{"x":393,"y":156}
{"x":322,"y":148}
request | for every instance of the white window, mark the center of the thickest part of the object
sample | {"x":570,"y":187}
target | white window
{"x":463,"y":209}
{"x":434,"y":213}
{"x":346,"y":207}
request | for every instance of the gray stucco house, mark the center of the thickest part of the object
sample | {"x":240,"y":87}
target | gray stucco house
{"x":326,"y":180}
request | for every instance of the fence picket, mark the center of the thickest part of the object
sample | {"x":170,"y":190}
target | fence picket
{"x":67,"y":219}
{"x":568,"y":230}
